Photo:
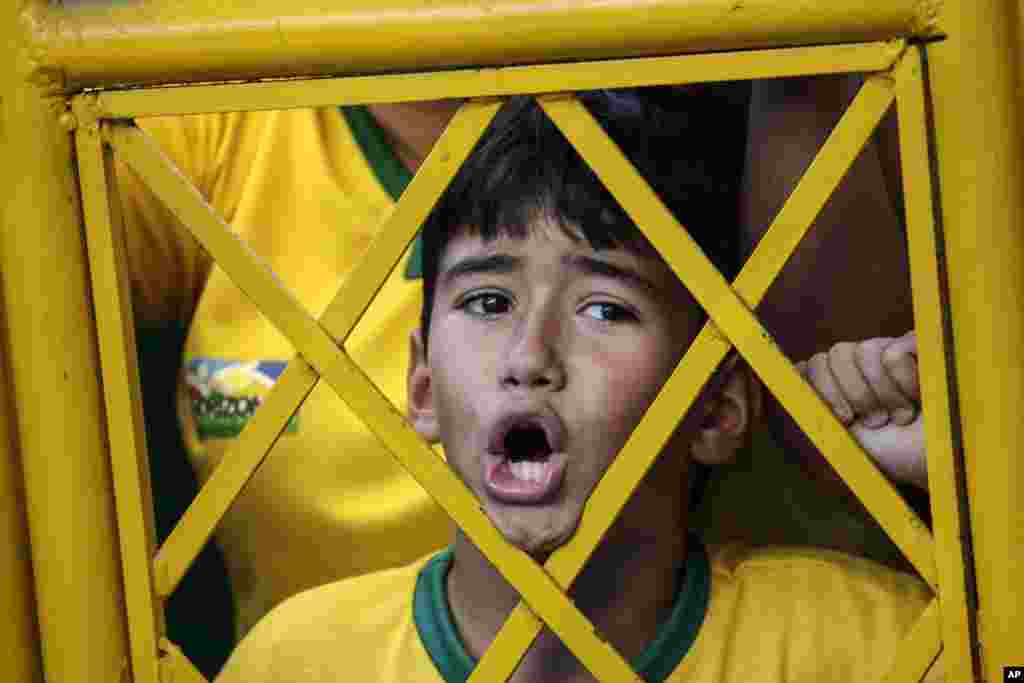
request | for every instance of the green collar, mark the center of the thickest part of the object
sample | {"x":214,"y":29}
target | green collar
{"x":390,"y":172}
{"x":675,"y":637}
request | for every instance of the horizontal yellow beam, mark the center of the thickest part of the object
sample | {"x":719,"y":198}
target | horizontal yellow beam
{"x":544,"y":78}
{"x":163,"y":41}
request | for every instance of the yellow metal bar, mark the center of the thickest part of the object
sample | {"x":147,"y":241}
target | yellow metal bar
{"x":146,"y":42}
{"x":771,"y":254}
{"x":254,"y":278}
{"x":400,"y":229}
{"x":734,"y":318}
{"x":125,"y":426}
{"x":176,"y":666}
{"x":979,"y":140}
{"x":236,"y":468}
{"x":19,"y":631}
{"x":54,"y":370}
{"x":527,"y":80}
{"x":919,"y":650}
{"x":932,"y":341}
{"x":246,"y":269}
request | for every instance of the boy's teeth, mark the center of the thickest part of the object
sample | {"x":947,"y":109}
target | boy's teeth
{"x":527,"y":471}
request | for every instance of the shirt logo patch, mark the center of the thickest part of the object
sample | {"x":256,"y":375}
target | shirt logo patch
{"x":224,"y":394}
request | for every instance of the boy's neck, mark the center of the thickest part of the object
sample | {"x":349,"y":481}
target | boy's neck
{"x":627,"y":590}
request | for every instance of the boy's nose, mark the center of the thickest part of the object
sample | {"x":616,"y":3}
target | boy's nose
{"x":534,"y":360}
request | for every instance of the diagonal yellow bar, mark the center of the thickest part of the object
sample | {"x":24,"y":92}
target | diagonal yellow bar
{"x":260,"y":434}
{"x":188,"y":537}
{"x":934,"y":336}
{"x":176,"y":666}
{"x":125,"y":427}
{"x":399,"y":230}
{"x":256,"y":279}
{"x":246,"y":269}
{"x":500,"y":81}
{"x":920,"y":649}
{"x":771,"y":254}
{"x":736,"y":320}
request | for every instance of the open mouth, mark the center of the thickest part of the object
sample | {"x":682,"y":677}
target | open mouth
{"x":525,"y":465}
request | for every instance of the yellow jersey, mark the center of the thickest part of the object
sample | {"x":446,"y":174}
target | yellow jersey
{"x":740,"y":615}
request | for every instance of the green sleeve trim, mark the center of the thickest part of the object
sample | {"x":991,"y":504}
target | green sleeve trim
{"x":390,"y":172}
{"x":659,"y":659}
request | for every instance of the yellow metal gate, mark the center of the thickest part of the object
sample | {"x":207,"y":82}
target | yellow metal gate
{"x":950,"y":70}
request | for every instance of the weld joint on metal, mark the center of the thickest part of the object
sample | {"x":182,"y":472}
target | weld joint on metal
{"x":926,"y":18}
{"x":86,"y":110}
{"x":896,"y":49}
{"x":39,"y":23}
{"x":715,"y":331}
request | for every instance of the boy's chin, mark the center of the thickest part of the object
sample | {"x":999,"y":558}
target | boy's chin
{"x":538,"y":533}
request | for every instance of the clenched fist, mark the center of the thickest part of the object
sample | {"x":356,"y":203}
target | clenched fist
{"x":873,"y":388}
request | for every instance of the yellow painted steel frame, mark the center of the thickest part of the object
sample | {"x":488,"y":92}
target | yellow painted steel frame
{"x":150,"y":574}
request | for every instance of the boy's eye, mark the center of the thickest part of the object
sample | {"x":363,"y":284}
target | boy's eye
{"x":609,"y":312}
{"x":486,"y":304}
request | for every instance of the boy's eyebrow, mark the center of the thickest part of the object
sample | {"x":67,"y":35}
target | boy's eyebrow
{"x":471,"y":265}
{"x":506,"y":263}
{"x":594,"y":266}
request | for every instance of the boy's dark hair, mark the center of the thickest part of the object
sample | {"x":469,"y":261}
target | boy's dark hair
{"x":523,"y":166}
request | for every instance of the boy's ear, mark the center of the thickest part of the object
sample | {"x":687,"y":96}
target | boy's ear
{"x":420,"y":391}
{"x":732,"y":413}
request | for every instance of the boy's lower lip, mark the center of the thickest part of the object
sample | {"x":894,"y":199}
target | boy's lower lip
{"x":503,"y":485}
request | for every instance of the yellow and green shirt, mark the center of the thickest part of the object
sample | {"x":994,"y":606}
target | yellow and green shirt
{"x":740,"y":615}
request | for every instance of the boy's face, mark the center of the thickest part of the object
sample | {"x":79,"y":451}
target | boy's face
{"x":543,"y":355}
